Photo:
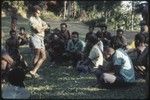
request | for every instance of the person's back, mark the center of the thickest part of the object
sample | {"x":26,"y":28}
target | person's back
{"x":96,"y":56}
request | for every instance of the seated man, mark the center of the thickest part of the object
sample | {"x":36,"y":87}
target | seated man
{"x":64,"y":33}
{"x":104,"y":35}
{"x":91,"y":29}
{"x":94,"y":59}
{"x":144,"y":30}
{"x":23,"y":37}
{"x":6,"y":63}
{"x":56,"y":48}
{"x":119,"y":40}
{"x":12,"y":47}
{"x":75,"y":48}
{"x":122,"y":69}
{"x":15,"y":89}
{"x":140,"y":55}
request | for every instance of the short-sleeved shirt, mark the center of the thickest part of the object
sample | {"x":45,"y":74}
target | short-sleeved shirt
{"x":35,"y":23}
{"x":122,"y":59}
{"x":96,"y":56}
{"x":75,"y":47}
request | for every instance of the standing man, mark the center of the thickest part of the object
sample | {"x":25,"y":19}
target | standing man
{"x":38,"y":27}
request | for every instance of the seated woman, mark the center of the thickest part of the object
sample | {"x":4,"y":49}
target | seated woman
{"x":15,"y":89}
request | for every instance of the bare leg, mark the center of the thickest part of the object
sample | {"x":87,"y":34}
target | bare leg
{"x":3,"y":64}
{"x":109,"y":78}
{"x":8,"y":59}
{"x":39,"y":62}
{"x":37,"y":56}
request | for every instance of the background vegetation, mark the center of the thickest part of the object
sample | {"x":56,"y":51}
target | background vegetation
{"x":114,"y":13}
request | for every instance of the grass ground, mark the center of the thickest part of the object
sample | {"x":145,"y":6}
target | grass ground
{"x":63,"y":81}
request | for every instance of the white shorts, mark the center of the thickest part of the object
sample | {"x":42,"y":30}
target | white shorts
{"x":37,"y":42}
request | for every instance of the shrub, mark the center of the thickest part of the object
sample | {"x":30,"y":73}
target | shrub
{"x":49,"y":15}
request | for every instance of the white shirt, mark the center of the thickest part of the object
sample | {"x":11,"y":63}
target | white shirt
{"x":121,"y":58}
{"x":96,"y":56}
{"x":37,"y":23}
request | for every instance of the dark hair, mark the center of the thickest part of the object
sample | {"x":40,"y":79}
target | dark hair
{"x":93,"y":39}
{"x":12,"y":31}
{"x":63,"y":24}
{"x":140,"y":37}
{"x":22,"y":28}
{"x":16,"y":77}
{"x":75,"y":33}
{"x":91,"y":26}
{"x":120,"y":30}
{"x":103,"y":25}
{"x":36,"y":8}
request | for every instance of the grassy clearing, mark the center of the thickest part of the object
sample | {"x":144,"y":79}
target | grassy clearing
{"x":63,"y":81}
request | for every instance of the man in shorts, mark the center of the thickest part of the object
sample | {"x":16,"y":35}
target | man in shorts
{"x":38,"y":27}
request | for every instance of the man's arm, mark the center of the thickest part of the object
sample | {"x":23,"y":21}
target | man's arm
{"x":38,"y":27}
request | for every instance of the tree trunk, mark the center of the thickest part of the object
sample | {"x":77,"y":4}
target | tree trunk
{"x":69,"y":8}
{"x":74,"y":9}
{"x":132,"y":17}
{"x":64,"y":15}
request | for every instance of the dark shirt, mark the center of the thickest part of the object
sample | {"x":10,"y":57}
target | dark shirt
{"x":87,"y":36}
{"x":119,"y":42}
{"x":64,"y":35}
{"x":12,"y":46}
{"x":105,"y":37}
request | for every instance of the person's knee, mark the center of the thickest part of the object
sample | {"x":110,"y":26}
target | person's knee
{"x":3,"y":64}
{"x":108,"y":78}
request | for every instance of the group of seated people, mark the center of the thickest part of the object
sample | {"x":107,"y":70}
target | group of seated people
{"x":101,"y":53}
{"x":10,"y":54}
